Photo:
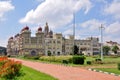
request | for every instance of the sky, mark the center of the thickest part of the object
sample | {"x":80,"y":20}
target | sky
{"x":59,"y":14}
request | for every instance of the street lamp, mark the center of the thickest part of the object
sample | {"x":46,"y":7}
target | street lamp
{"x":101,"y":31}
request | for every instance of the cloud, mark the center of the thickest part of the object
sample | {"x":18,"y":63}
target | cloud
{"x":68,"y":32}
{"x":3,"y":42}
{"x":40,"y":0}
{"x":85,"y":29}
{"x":56,"y":12}
{"x":113,"y":28}
{"x":113,"y":9}
{"x":92,"y":24}
{"x":102,"y":1}
{"x":5,"y":6}
{"x":112,"y":32}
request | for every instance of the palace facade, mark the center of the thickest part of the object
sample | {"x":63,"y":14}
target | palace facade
{"x":46,"y":41}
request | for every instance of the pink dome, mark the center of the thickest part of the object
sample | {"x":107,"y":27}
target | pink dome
{"x":39,"y":29}
{"x":26,"y":28}
{"x":11,"y":38}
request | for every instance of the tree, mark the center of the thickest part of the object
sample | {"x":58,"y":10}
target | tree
{"x":49,"y":53}
{"x":75,"y":49}
{"x":106,"y":49}
{"x":115,"y":49}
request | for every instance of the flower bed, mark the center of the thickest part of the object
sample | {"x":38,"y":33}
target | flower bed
{"x":9,"y":68}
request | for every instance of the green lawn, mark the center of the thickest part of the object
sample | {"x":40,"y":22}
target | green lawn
{"x":108,"y":61}
{"x":31,"y":74}
{"x":111,"y":70}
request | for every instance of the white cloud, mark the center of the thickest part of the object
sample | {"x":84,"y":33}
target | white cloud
{"x":5,"y":6}
{"x":113,"y":9}
{"x":56,"y":12}
{"x":85,"y":29}
{"x":3,"y":42}
{"x":103,"y":1}
{"x":92,"y":24}
{"x":113,"y":29}
{"x":40,"y":0}
{"x":111,"y":38}
{"x":91,"y":28}
{"x":112,"y":32}
{"x":68,"y":32}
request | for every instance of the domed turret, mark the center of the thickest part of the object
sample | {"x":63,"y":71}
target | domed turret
{"x":39,"y":29}
{"x":51,"y":34}
{"x":26,"y":28}
{"x":10,"y":38}
{"x":17,"y":35}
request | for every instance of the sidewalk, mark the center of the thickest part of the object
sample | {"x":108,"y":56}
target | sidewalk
{"x":66,"y":72}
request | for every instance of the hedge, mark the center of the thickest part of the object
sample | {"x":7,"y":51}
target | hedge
{"x":78,"y":59}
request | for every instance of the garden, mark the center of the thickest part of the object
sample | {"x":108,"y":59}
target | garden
{"x":14,"y":70}
{"x":109,"y":63}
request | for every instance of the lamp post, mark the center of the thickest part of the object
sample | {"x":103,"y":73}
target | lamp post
{"x":101,"y":31}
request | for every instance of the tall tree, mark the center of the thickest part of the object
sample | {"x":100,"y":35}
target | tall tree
{"x":106,"y":49}
{"x":49,"y":53}
{"x":115,"y":49}
{"x":75,"y":49}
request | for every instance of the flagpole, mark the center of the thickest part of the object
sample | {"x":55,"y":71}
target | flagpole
{"x":73,"y":32}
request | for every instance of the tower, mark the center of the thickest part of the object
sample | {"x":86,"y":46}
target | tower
{"x":40,"y":41}
{"x":46,"y":31}
{"x":26,"y":34}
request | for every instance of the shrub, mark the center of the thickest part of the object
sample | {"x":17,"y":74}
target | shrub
{"x":98,"y":61}
{"x":10,"y":69}
{"x":58,"y":59}
{"x":118,"y":66}
{"x":65,"y":61}
{"x":89,"y":62}
{"x":78,"y":59}
{"x":70,"y":60}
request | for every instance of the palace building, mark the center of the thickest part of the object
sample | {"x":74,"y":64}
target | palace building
{"x":46,"y":41}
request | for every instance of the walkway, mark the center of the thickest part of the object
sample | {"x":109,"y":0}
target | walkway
{"x":68,"y":73}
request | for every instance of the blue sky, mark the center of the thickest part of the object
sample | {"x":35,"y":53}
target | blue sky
{"x":89,"y":15}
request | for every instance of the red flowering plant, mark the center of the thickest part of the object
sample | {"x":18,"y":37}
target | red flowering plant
{"x":3,"y":60}
{"x":9,"y":68}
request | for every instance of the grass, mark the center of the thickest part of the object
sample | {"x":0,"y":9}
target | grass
{"x":31,"y":74}
{"x":110,"y":70}
{"x":108,"y":61}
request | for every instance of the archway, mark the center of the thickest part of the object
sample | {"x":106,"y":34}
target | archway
{"x":33,"y":53}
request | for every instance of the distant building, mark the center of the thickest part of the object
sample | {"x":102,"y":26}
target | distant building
{"x":89,"y":46}
{"x":111,"y":44}
{"x":44,"y":41}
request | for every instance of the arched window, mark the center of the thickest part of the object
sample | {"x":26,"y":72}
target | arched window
{"x":33,"y":53}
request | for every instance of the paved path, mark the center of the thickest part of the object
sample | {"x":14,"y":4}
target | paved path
{"x":68,"y":73}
